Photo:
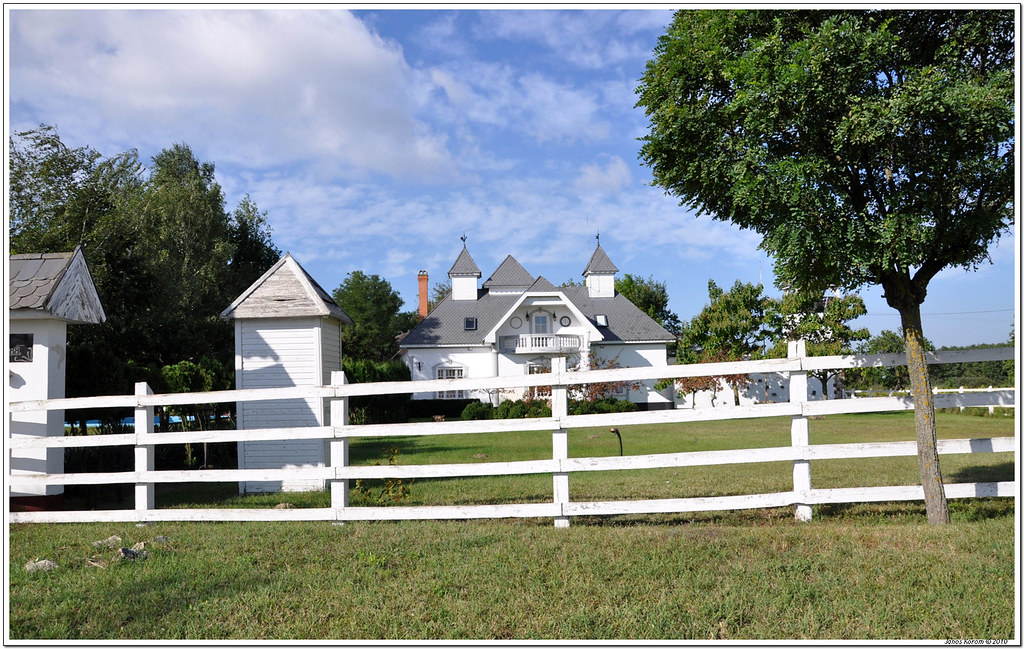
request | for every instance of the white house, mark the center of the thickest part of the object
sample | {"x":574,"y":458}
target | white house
{"x":287,"y":333}
{"x":515,"y":323}
{"x":47,"y":292}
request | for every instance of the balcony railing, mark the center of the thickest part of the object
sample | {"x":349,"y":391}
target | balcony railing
{"x":539,"y":343}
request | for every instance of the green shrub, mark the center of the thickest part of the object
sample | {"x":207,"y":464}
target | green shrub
{"x":510,"y":410}
{"x":377,"y":409}
{"x":599,"y":406}
{"x":429,"y":408}
{"x":477,"y":410}
{"x":520,"y":409}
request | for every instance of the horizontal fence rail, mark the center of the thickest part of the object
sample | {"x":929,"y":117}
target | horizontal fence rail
{"x":339,"y":474}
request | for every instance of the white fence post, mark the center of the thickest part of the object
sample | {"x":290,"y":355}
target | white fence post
{"x":145,"y":495}
{"x":560,"y":438}
{"x":799,"y":430}
{"x":339,"y":445}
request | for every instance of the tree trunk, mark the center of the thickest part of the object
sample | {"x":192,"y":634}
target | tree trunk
{"x":924,"y":415}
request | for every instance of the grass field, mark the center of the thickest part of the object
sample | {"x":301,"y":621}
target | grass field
{"x":855,"y":572}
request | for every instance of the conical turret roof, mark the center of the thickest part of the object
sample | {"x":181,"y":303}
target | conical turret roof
{"x":599,"y":263}
{"x":464,"y":265}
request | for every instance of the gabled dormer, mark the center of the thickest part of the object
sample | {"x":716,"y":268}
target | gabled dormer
{"x":542,"y":320}
{"x":464,"y":274}
{"x":600,"y":274}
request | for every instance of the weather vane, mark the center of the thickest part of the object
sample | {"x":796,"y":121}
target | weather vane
{"x":598,"y":237}
{"x":463,"y":237}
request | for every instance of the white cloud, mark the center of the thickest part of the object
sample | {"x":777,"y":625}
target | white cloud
{"x":587,"y":39}
{"x":610,"y":179}
{"x":554,"y":111}
{"x":270,"y":86}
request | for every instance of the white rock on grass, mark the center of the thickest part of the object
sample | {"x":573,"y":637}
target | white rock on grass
{"x":43,"y":564}
{"x":109,"y":542}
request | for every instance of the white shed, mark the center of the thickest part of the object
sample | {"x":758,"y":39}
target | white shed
{"x":47,"y":292}
{"x":287,"y":333}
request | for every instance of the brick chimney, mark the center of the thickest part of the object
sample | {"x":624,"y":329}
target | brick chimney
{"x":424,"y":308}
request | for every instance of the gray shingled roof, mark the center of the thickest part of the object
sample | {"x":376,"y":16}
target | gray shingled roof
{"x":599,"y":263}
{"x":445,"y":325}
{"x":35,"y":276}
{"x":509,"y":275}
{"x":57,"y":284}
{"x":542,"y":284}
{"x":626,"y":322}
{"x":464,"y":265}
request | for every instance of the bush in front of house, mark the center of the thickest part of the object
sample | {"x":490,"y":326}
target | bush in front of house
{"x":600,"y":406}
{"x":477,"y":410}
{"x":382,"y":408}
{"x":519,"y":409}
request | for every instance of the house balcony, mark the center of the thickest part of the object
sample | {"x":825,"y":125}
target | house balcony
{"x":539,"y":344}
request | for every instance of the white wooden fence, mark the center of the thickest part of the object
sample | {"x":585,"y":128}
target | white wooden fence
{"x":802,"y":497}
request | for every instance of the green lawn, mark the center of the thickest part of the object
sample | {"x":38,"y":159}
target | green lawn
{"x":872,"y":571}
{"x":689,"y":481}
{"x":878,"y":572}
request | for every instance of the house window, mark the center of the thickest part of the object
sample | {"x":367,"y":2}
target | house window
{"x":540,"y":323}
{"x":450,"y":373}
{"x":602,"y":320}
{"x":539,"y":367}
{"x":470,"y":324}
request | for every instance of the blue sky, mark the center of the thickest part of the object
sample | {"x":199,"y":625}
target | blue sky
{"x":375,"y":139}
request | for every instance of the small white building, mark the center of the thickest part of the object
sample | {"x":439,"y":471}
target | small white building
{"x":287,"y":333}
{"x":515,"y":324}
{"x":47,"y":292}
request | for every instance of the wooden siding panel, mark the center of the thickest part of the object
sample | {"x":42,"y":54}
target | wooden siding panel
{"x":281,"y":353}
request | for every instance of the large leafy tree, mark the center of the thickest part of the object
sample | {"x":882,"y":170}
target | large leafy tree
{"x":374,"y":307}
{"x":651,"y":297}
{"x":865,"y":147}
{"x":823,"y":321}
{"x":164,"y":254}
{"x":733,"y":325}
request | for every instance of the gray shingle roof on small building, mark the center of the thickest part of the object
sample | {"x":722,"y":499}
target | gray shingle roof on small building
{"x":599,"y":263}
{"x":465,"y":265}
{"x":58,"y":284}
{"x":34,"y":277}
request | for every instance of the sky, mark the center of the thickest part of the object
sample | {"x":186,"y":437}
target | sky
{"x":376,"y":139}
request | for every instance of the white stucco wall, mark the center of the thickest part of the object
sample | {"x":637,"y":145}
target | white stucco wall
{"x":639,"y":355}
{"x":43,"y":378}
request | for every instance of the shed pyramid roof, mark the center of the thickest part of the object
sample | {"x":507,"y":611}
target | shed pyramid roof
{"x":57,"y":284}
{"x":464,"y":265}
{"x":286,"y":290}
{"x":510,"y":274}
{"x":599,"y":263}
